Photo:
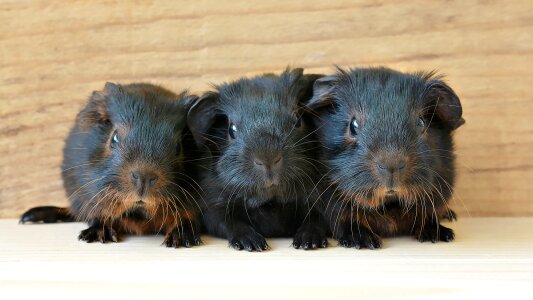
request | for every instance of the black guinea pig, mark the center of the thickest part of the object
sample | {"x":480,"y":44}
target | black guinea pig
{"x":260,"y":166}
{"x":123,"y":167}
{"x":387,"y":141}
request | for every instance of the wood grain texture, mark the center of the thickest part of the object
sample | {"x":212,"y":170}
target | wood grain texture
{"x":488,"y":258}
{"x":54,"y":53}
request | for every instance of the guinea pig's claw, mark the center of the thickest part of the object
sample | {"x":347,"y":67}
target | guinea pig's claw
{"x":250,"y":241}
{"x":296,"y":244}
{"x":28,"y":216}
{"x":357,"y":245}
{"x":24,"y":219}
{"x":360,"y":238}
{"x":197,"y":241}
{"x":173,"y":239}
{"x":310,"y":237}
{"x":447,"y":236}
{"x":347,"y":243}
{"x":182,"y":237}
{"x":236,"y":245}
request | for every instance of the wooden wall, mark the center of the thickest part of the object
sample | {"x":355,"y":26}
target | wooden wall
{"x":54,"y":53}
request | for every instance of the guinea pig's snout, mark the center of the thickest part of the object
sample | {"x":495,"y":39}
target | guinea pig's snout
{"x":391,"y":169}
{"x":144,"y":181}
{"x":270,"y":165}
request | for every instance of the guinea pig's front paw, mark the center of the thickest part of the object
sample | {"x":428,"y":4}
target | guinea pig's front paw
{"x":310,"y":236}
{"x":178,"y":237}
{"x":248,"y":239}
{"x":101,"y":234}
{"x":435,"y":232}
{"x":39,"y":214}
{"x":360,"y":238}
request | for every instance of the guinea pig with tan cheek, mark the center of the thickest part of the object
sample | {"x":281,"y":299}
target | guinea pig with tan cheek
{"x":262,"y":166}
{"x":387,"y":140}
{"x":123,"y":168}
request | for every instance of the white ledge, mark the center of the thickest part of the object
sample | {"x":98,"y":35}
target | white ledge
{"x":490,"y":256}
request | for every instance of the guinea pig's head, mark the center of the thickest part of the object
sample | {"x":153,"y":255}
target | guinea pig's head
{"x":387,"y":135}
{"x":135,"y":144}
{"x":256,"y":132}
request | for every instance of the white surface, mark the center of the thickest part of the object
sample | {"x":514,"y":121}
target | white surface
{"x":490,"y":257}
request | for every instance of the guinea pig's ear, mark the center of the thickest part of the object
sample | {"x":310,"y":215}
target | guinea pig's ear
{"x":111,"y":88}
{"x":322,"y":92}
{"x":185,"y":102}
{"x":202,"y":115}
{"x":95,"y":111}
{"x":292,"y":76}
{"x":448,"y":106}
{"x":303,"y":85}
{"x":296,"y":72}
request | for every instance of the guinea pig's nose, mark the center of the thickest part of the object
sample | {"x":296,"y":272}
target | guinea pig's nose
{"x":269,"y":163}
{"x":390,"y":170}
{"x":144,"y":181}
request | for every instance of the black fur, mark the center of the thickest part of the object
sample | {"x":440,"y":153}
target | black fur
{"x":150,"y":123}
{"x":394,"y":174}
{"x":271,"y":131}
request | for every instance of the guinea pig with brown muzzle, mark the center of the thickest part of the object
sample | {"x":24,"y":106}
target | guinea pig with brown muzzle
{"x":387,"y":142}
{"x":125,"y":170}
{"x":260,"y":165}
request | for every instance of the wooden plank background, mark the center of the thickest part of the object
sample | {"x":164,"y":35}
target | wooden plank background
{"x":54,"y":53}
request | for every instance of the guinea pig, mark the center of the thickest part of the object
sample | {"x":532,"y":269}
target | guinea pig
{"x":387,"y":142}
{"x":260,"y":165}
{"x":124,"y":168}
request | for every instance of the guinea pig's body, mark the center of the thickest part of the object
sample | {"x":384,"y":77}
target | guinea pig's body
{"x":123,"y":167}
{"x":260,"y":169}
{"x":387,"y":142}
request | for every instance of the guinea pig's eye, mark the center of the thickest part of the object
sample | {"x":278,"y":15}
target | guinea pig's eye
{"x":232,"y":130}
{"x":353,"y":126}
{"x":421,"y":122}
{"x":115,"y":140}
